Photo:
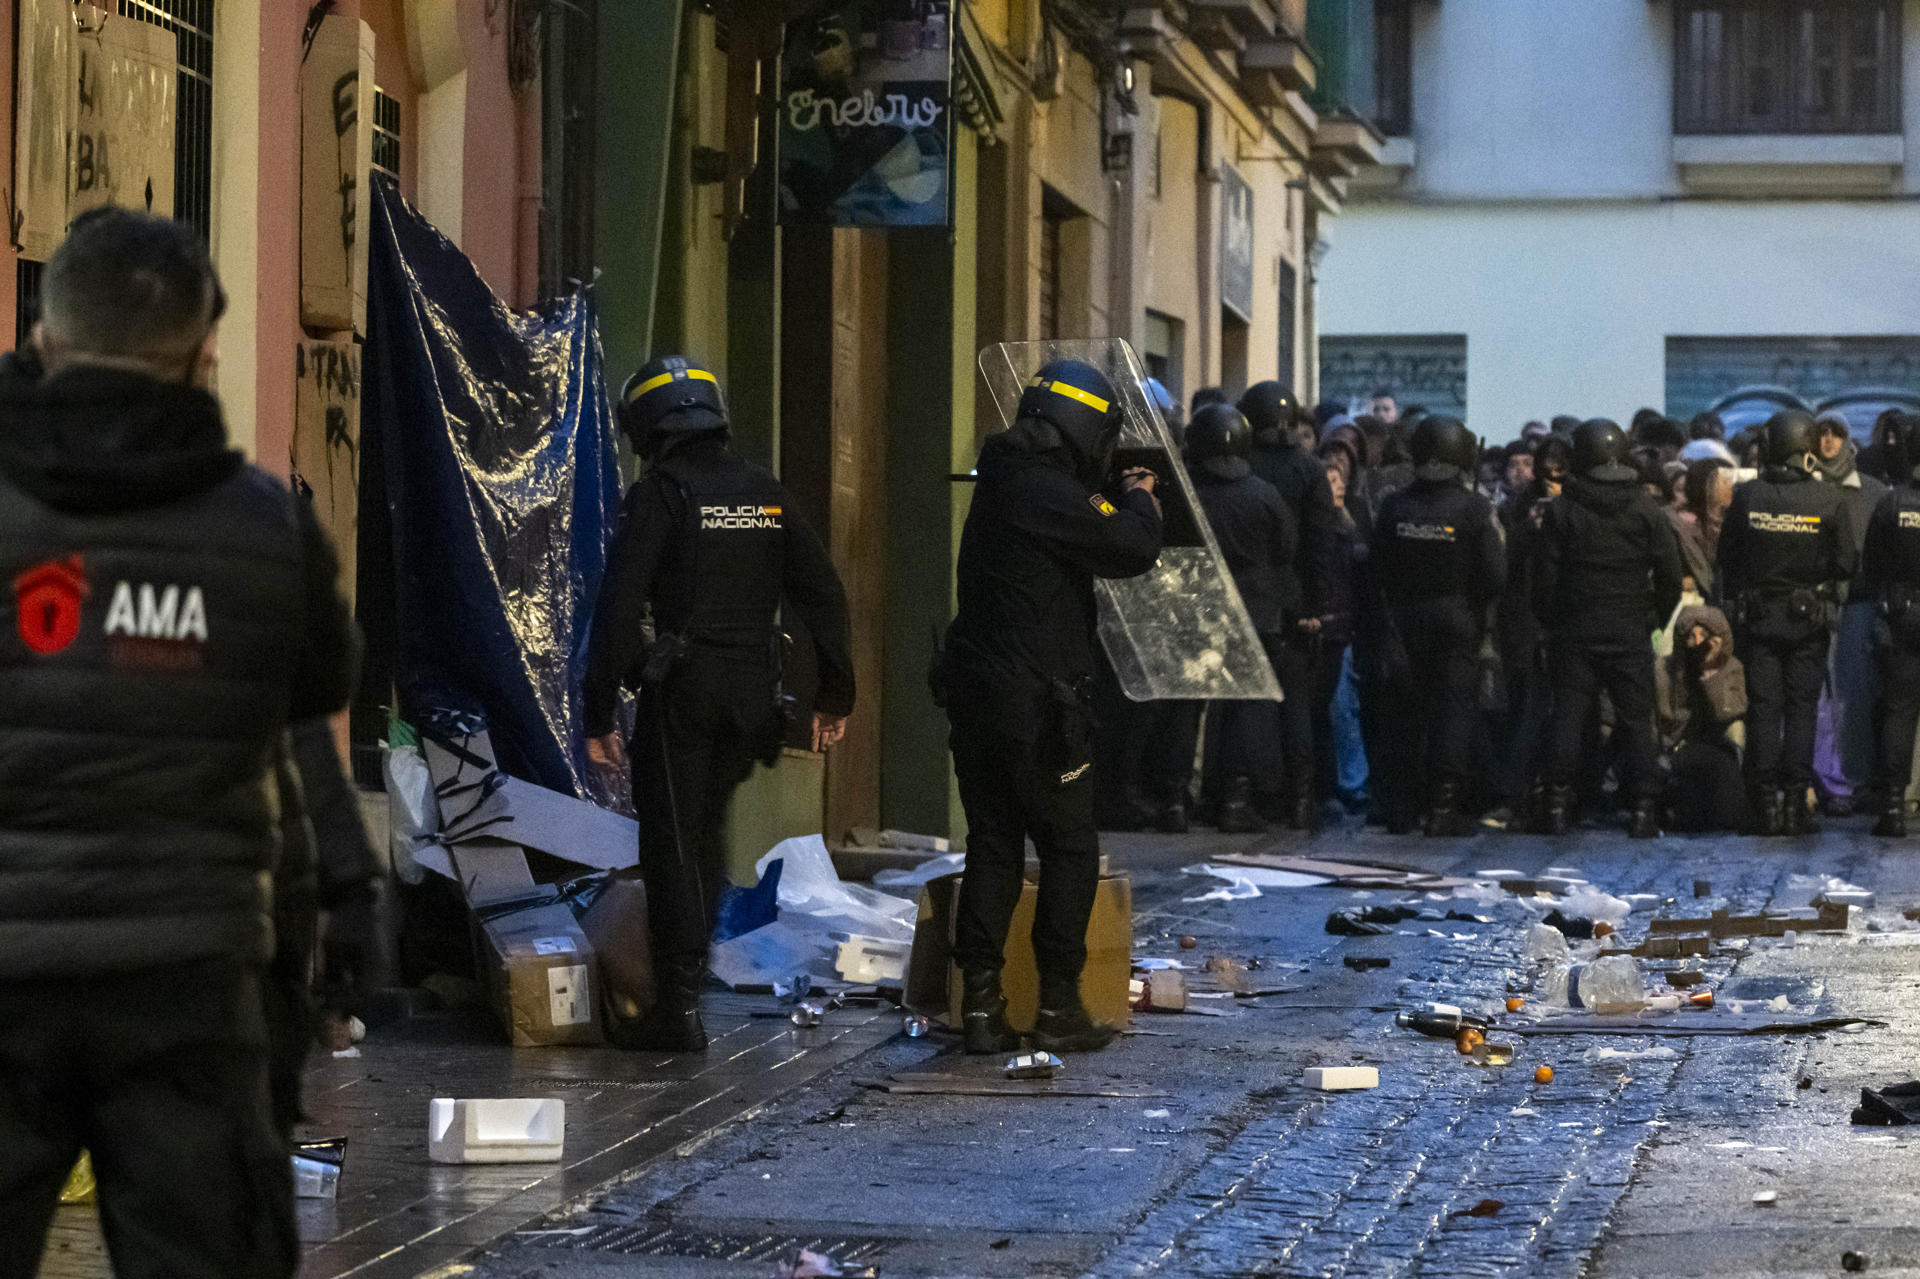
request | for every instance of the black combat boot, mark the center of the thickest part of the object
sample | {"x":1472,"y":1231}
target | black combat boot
{"x":1304,"y":813}
{"x":1893,"y":819}
{"x":673,"y":1023}
{"x":1063,"y":1025}
{"x":983,"y":1013}
{"x":1237,"y":813}
{"x":1172,"y":820}
{"x":1444,"y":819}
{"x":1556,"y":811}
{"x":1796,"y":816}
{"x":1767,"y":817}
{"x":1645,"y":821}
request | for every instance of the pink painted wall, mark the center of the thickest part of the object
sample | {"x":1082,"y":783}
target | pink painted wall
{"x":493,"y":200}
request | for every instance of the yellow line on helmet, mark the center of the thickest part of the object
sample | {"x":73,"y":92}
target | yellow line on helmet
{"x":677,"y":374}
{"x":1092,"y":401}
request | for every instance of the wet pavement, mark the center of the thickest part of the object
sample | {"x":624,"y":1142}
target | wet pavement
{"x":1641,"y":1157}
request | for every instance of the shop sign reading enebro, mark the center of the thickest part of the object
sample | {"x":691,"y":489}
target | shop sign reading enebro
{"x":866,"y":121}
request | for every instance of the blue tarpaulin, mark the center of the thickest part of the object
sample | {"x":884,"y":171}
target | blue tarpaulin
{"x":502,"y":484}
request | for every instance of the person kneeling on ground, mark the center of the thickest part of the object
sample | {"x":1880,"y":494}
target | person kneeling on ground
{"x":1702,"y":702}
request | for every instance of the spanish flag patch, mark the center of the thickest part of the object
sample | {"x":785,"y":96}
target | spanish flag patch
{"x":1101,"y":504}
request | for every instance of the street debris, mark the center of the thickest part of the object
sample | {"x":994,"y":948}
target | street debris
{"x":1342,"y":1078}
{"x":1543,"y":1075}
{"x":808,"y":1264}
{"x":807,"y":1014}
{"x":1165,"y":992}
{"x":956,"y":1085}
{"x":1367,"y":921}
{"x":1439,"y":1021}
{"x":1485,"y":1208}
{"x":1343,"y":874}
{"x":496,"y":1130}
{"x":1361,"y":963}
{"x":1492,"y":1053}
{"x":1033,"y":1065}
{"x":1853,"y":1262}
{"x":1893,"y":1106}
{"x":1765,"y":1198}
{"x":1189,"y":942}
{"x":914,"y":1026}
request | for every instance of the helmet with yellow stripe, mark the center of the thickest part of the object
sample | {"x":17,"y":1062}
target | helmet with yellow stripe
{"x":670,"y":395}
{"x":1079,"y":402}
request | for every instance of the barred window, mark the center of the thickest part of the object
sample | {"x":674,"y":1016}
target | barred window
{"x":1786,"y":66}
{"x":386,"y":134}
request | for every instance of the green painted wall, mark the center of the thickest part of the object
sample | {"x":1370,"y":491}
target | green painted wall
{"x":638,"y":51}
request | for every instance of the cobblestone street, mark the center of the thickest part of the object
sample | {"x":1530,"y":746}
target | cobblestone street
{"x":1642,"y":1157}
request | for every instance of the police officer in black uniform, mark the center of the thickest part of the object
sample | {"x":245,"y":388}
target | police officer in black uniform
{"x":1787,"y":550}
{"x":1257,"y":538}
{"x":1016,"y":678}
{"x":1607,"y":573}
{"x":1281,"y":460}
{"x":711,"y":547}
{"x":1438,"y":562}
{"x":1890,"y":577}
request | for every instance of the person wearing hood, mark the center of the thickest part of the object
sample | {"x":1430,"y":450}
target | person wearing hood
{"x":1701,"y":701}
{"x":1016,"y":677}
{"x":1607,"y":574}
{"x":1787,"y":550}
{"x":1257,"y":535}
{"x":711,"y":548}
{"x":1438,"y":563}
{"x":1707,"y":492}
{"x":1280,"y":458}
{"x":1846,"y":740}
{"x":173,"y":610}
{"x":1890,"y":581}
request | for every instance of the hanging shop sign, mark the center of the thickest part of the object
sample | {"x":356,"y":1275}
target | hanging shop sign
{"x":865,"y":114}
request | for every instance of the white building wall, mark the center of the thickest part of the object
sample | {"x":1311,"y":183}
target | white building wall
{"x":1544,"y":218}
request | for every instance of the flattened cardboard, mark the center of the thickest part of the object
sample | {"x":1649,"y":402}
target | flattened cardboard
{"x":933,"y":980}
{"x":616,"y":926}
{"x":539,"y":970}
{"x":479,"y":801}
{"x":1345,"y":874}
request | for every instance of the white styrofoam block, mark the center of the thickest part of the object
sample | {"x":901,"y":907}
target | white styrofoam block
{"x":496,"y":1130}
{"x":872,"y":961}
{"x":1342,"y":1078}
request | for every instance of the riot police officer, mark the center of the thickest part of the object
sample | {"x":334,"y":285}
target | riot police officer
{"x":1607,"y":574}
{"x":711,"y":546}
{"x":1787,"y":550}
{"x":1439,"y":562}
{"x":1301,"y":480}
{"x":1257,"y":538}
{"x":1015,"y":678}
{"x":1890,"y":578}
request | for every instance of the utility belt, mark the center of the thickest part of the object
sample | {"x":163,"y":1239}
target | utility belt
{"x":1787,"y":615}
{"x":669,"y":650}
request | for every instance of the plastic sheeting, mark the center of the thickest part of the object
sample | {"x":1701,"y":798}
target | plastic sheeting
{"x":502,"y":483}
{"x":1179,"y":630}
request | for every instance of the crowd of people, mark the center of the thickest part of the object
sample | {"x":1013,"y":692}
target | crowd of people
{"x":1666,"y":623}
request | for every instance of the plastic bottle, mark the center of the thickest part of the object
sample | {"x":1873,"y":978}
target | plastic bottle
{"x":1546,"y":944}
{"x":1609,"y":985}
{"x":1440,"y":1021}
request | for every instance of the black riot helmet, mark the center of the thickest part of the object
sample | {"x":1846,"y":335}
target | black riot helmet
{"x":1903,"y":447}
{"x":1220,"y":440}
{"x":1601,"y":452}
{"x":1792,"y":441}
{"x":1443,"y":449}
{"x":670,"y":396}
{"x":1272,"y":411}
{"x":1080,"y":404}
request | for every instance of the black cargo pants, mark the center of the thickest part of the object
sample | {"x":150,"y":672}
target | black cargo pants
{"x":1783,"y":708}
{"x":162,"y":1076}
{"x":1624,"y":671}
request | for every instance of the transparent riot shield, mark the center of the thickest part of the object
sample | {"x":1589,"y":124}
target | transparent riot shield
{"x":1180,"y":630}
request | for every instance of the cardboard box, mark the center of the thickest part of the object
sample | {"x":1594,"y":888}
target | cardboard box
{"x":933,"y":980}
{"x":539,"y":972}
{"x":616,"y":927}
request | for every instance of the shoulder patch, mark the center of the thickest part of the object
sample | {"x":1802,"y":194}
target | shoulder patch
{"x":1102,"y":505}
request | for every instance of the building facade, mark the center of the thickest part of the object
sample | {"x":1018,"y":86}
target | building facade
{"x":1589,"y":206}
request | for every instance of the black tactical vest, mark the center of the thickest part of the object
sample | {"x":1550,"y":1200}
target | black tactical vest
{"x":146,"y":663}
{"x":722,"y":586}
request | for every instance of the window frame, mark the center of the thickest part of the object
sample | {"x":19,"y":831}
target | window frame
{"x":1393,"y":67}
{"x":1713,"y":95}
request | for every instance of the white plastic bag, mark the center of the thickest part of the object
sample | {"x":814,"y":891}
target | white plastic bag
{"x":413,"y":812}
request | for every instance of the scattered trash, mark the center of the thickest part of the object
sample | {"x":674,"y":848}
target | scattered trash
{"x":1188,"y":942}
{"x":1684,"y":978}
{"x":814,"y":900}
{"x":1702,"y":888}
{"x":954,"y":1085}
{"x":915,"y":1027}
{"x":1367,"y":921}
{"x":1149,"y":963}
{"x":931,"y":868}
{"x":1342,"y":874}
{"x":1772,"y":923}
{"x":314,"y":1179}
{"x":1911,"y":913}
{"x":1467,"y":1041}
{"x":1632,"y":1054}
{"x":808,"y":1264}
{"x":81,"y":1184}
{"x":1342,"y":1078}
{"x":1894,"y":1106}
{"x":1361,"y":963}
{"x":1155,"y":1114}
{"x":1166,"y":991}
{"x":1546,"y":944}
{"x":1543,"y":1075}
{"x":1492,"y":1053}
{"x":1853,"y":1262}
{"x":1485,"y":1208}
{"x":1440,"y":1021}
{"x":1000,"y":1243}
{"x":1730,"y":1024}
{"x":1237,"y":888}
{"x":1515,"y":1005}
{"x":1806,"y":1082}
{"x":1033,"y":1065}
{"x":808,"y":1013}
{"x":496,"y":1130}
{"x":872,"y":961}
{"x":1766,"y":1198}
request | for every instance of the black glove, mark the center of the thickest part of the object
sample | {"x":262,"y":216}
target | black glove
{"x":349,"y":951}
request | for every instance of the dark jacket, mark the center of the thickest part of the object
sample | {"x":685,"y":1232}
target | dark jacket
{"x":1693,"y":704}
{"x":172,"y":609}
{"x":1301,"y":480}
{"x":1258,"y":537}
{"x":1783,"y":532}
{"x":1438,"y":540}
{"x":709,"y":548}
{"x":1607,"y":567}
{"x":1034,"y":541}
{"x":1890,"y":567}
